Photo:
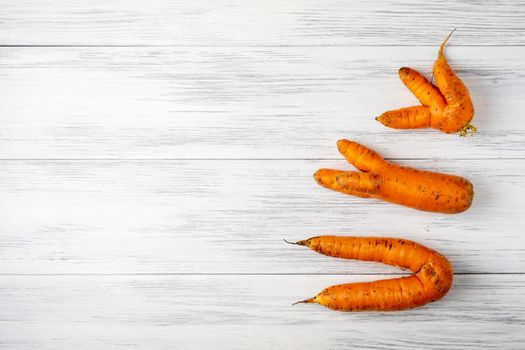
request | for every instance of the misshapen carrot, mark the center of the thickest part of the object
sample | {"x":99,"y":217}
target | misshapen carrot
{"x":460,"y":110}
{"x":431,"y":280}
{"x":423,"y":190}
{"x":447,"y":107}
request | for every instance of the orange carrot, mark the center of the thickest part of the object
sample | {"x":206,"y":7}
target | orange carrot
{"x":447,"y":107}
{"x":431,"y":280}
{"x":423,"y":190}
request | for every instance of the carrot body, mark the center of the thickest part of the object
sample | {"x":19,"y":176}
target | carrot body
{"x":417,"y":117}
{"x":410,"y":187}
{"x":423,"y":90}
{"x":431,"y":280}
{"x":460,"y":110}
{"x":447,"y":107}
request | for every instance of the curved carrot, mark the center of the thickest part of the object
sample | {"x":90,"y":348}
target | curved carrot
{"x":460,"y":110}
{"x":431,"y":280}
{"x":423,"y":190}
{"x":447,"y":107}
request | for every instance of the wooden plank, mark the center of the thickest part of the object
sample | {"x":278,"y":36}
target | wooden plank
{"x":239,"y":312}
{"x":273,"y":22}
{"x":231,"y":216}
{"x":243,"y":102}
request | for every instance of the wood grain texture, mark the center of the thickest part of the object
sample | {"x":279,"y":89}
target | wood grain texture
{"x":231,"y":216}
{"x":244,"y":102}
{"x":154,"y":154}
{"x":231,"y":312}
{"x":273,"y":22}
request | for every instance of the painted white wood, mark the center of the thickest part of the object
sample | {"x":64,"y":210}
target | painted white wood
{"x":149,"y":172}
{"x":239,"y":312}
{"x":261,"y":22}
{"x":244,"y":102}
{"x":231,"y":216}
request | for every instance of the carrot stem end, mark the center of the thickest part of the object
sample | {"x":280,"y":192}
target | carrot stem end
{"x":468,"y":129}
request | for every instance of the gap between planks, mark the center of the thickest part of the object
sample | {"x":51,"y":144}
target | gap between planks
{"x":241,"y":46}
{"x":246,"y":274}
{"x":233,"y":159}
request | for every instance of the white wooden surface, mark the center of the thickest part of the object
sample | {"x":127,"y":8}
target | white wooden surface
{"x":153,"y":156}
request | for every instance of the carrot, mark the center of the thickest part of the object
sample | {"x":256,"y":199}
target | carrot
{"x":447,"y":107}
{"x":431,"y":280}
{"x":377,"y":178}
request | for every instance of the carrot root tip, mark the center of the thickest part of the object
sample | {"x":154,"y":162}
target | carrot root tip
{"x":442,"y":46}
{"x":295,"y":243}
{"x":383,"y":120}
{"x":342,"y":145}
{"x":306,"y":301}
{"x":317,"y":177}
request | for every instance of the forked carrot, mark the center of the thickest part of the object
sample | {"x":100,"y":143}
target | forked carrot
{"x":447,"y":107}
{"x":431,"y":280}
{"x":377,"y":178}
